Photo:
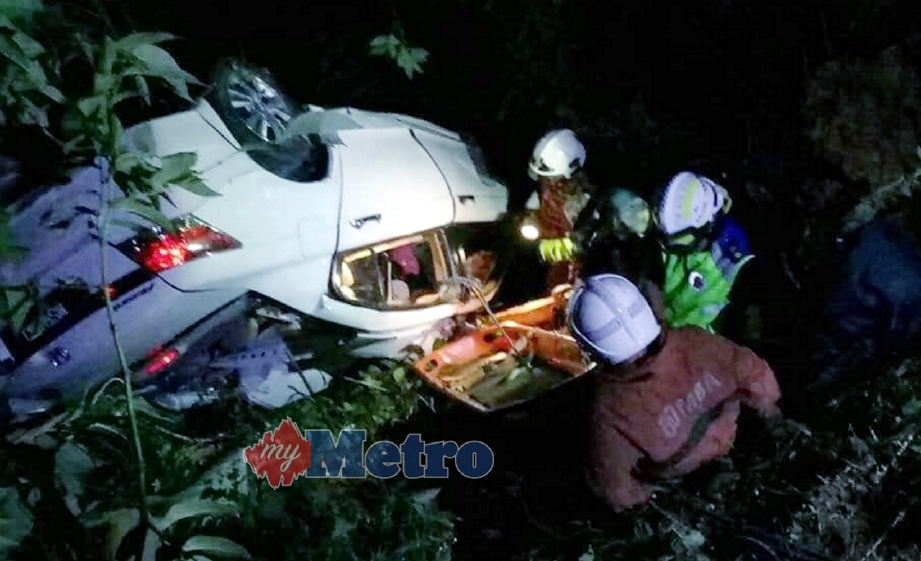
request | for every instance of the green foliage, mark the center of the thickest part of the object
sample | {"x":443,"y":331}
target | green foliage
{"x":15,"y":520}
{"x":34,"y":86}
{"x":408,"y":58}
{"x":27,"y":88}
{"x":203,"y":491}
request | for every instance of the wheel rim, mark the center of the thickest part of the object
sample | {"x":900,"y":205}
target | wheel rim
{"x":261,"y":107}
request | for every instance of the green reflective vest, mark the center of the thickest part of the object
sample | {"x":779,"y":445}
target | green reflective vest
{"x":697,"y":287}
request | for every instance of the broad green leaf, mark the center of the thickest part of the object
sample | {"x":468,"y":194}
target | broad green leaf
{"x":410,"y":60}
{"x":173,"y":167}
{"x":120,"y":523}
{"x":52,"y":93}
{"x":386,"y":45}
{"x":109,"y":430}
{"x":419,"y":55}
{"x":163,"y":416}
{"x":221,"y":547}
{"x":87,"y":48}
{"x":33,"y":114}
{"x":105,"y":84}
{"x":90,"y":105}
{"x":135,"y":40}
{"x":15,"y":520}
{"x":71,"y":465}
{"x":127,"y":161}
{"x":195,"y":185}
{"x":399,"y":374}
{"x":159,"y":63}
{"x":193,"y":509}
{"x":427,"y":496}
{"x":14,"y":53}
{"x":19,"y":9}
{"x":30,"y":47}
{"x":148,"y":213}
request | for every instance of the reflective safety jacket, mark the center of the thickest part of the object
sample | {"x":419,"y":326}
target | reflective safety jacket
{"x":556,"y":218}
{"x":664,"y":417}
{"x":697,"y":285}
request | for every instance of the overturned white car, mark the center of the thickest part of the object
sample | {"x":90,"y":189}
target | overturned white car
{"x":361,"y":245}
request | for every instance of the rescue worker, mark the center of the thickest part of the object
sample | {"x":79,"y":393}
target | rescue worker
{"x":611,"y":237}
{"x":667,"y":400}
{"x":563,"y":190}
{"x":687,"y":266}
{"x":704,"y":250}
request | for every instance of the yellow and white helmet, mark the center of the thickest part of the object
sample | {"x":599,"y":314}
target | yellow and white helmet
{"x":691,"y":202}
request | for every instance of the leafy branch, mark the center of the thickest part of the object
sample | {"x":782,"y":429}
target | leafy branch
{"x":123,"y":68}
{"x":408,"y":58}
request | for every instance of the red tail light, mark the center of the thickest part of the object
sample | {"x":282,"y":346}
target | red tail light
{"x":161,"y":251}
{"x":161,"y":361}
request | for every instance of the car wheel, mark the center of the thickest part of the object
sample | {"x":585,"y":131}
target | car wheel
{"x":254,"y":107}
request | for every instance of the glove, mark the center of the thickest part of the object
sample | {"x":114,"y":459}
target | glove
{"x":556,"y":250}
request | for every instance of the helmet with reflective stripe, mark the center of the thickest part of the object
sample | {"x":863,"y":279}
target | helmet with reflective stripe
{"x":611,"y":319}
{"x":557,"y":153}
{"x":690,"y":202}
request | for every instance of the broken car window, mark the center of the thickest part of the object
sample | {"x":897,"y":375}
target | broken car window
{"x":405,"y":273}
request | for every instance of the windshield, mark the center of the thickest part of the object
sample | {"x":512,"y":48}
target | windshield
{"x":301,"y":159}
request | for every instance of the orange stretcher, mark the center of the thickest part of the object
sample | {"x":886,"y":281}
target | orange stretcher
{"x":495,"y":367}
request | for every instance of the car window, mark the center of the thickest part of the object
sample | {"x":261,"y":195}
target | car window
{"x":297,"y":159}
{"x":408,"y":272}
{"x":477,"y":252}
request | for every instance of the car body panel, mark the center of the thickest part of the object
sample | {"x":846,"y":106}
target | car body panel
{"x":476,"y":198}
{"x":151,"y":313}
{"x":391,"y":188}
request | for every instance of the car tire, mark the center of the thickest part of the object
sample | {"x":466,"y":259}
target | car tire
{"x":251,"y":103}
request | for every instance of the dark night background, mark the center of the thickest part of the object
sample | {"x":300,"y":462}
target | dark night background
{"x":729,"y":76}
{"x":721,"y":81}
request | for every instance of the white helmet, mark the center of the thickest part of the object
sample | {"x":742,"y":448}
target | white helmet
{"x":558,"y":152}
{"x":691,"y":201}
{"x":609,"y":315}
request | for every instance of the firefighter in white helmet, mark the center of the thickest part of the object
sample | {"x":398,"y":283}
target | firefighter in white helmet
{"x":563,"y":191}
{"x":667,"y":400}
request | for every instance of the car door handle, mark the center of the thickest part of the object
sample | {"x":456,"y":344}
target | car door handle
{"x":359,"y":222}
{"x":464,"y":199}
